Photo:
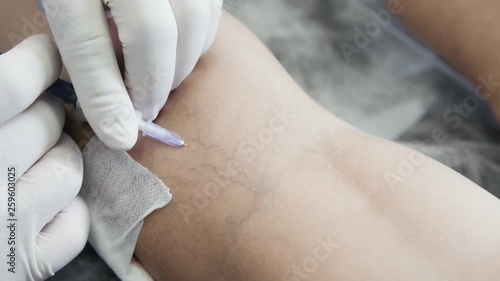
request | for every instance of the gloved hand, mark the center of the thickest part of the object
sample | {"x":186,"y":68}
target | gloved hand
{"x":162,"y":41}
{"x":44,"y":225}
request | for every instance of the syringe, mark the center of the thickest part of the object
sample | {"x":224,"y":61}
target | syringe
{"x":64,"y":92}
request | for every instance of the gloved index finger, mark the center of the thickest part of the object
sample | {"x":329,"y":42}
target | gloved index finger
{"x":25,"y":72}
{"x":148,"y":31}
{"x":84,"y":40}
{"x":192,"y":18}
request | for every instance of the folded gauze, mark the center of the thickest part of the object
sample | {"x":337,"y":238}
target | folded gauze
{"x":120,"y":193}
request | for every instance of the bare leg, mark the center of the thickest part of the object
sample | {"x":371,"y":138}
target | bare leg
{"x":274,"y":187}
{"x":258,"y":196}
{"x":462,"y":31}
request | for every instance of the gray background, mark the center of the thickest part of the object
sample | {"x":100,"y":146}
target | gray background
{"x":388,"y":89}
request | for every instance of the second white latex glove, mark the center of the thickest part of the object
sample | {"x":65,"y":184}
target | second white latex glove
{"x":162,"y":41}
{"x":47,"y":225}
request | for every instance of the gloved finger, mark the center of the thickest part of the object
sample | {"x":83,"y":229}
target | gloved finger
{"x":64,"y":237}
{"x":148,"y":32}
{"x":27,"y":137}
{"x":192,"y":17}
{"x":216,"y":12}
{"x":83,"y":38}
{"x":25,"y":72}
{"x":52,"y":182}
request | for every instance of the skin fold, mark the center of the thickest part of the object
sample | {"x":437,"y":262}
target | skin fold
{"x":273,"y":187}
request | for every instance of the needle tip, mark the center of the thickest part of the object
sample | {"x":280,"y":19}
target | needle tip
{"x":185,"y":144}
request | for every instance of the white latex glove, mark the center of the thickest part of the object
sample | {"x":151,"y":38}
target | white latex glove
{"x":162,"y":41}
{"x":44,"y":165}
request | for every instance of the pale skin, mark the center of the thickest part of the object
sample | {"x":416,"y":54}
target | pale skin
{"x":273,"y":187}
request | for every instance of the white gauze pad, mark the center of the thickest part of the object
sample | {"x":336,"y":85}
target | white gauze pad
{"x":120,"y":193}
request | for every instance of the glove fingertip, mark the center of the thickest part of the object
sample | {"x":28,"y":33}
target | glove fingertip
{"x":118,"y":130}
{"x":122,"y":142}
